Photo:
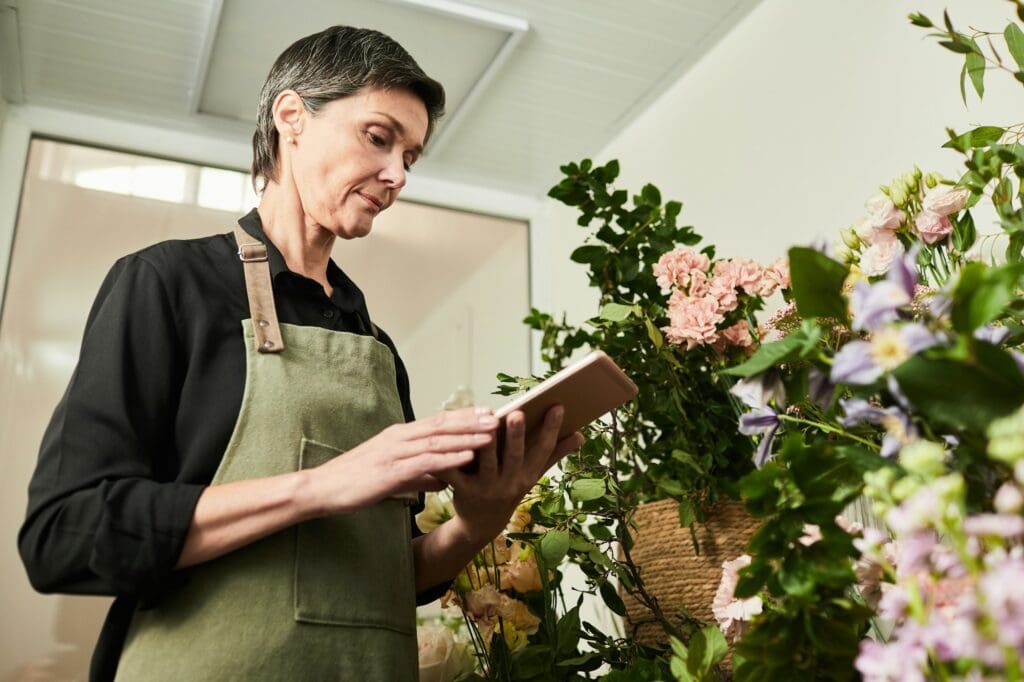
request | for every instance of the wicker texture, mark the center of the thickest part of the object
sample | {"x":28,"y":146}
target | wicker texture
{"x":672,"y":573}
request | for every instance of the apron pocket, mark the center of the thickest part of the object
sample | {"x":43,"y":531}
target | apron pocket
{"x":355,"y":569}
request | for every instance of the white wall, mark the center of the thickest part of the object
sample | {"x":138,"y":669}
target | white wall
{"x":783,"y":130}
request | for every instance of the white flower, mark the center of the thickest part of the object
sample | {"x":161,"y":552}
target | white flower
{"x":732,"y":614}
{"x":435,"y":512}
{"x":442,"y":658}
{"x":879,"y":257}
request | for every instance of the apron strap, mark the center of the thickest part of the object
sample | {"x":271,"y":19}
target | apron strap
{"x":265,"y":326}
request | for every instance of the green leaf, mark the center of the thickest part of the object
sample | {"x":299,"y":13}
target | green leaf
{"x":612,"y":599}
{"x":918,"y":19}
{"x":982,"y":294}
{"x":770,"y":354}
{"x":553,"y":546}
{"x":817,"y":283}
{"x":654,"y":334}
{"x":964,"y":232}
{"x":1015,"y":43}
{"x":707,"y":648}
{"x":959,"y":395}
{"x":651,"y":194}
{"x":588,"y":254}
{"x":687,"y":514}
{"x":584,"y":489}
{"x":568,"y":631}
{"x":600,"y":532}
{"x":530,"y":661}
{"x":963,"y":83}
{"x":975,"y":64}
{"x":616,"y":312}
{"x":979,"y":137}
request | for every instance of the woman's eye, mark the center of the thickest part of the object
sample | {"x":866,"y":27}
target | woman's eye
{"x":377,"y":140}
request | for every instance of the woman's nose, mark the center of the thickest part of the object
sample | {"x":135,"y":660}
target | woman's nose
{"x":393,"y":174}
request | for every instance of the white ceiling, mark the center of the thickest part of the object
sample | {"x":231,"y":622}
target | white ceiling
{"x":531,"y":83}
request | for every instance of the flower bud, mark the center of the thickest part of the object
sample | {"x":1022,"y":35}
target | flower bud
{"x":884,"y":189}
{"x":905,"y":487}
{"x":917,"y":172}
{"x":931,"y":181}
{"x":950,"y":488}
{"x":899,"y":195}
{"x":1009,"y":499}
{"x":910,"y":182}
{"x":924,"y":458}
{"x":878,"y":482}
{"x":850,"y":237}
{"x":843,"y":252}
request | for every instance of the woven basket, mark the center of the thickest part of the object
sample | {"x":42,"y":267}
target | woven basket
{"x":672,"y":573}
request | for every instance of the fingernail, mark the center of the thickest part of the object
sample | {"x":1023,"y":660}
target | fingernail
{"x":557,"y":412}
{"x":488,"y":421}
{"x":482,"y":410}
{"x":482,"y":437}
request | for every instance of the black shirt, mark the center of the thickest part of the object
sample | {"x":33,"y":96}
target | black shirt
{"x":148,"y":414}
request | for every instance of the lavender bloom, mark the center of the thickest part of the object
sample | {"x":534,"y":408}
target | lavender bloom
{"x":765,"y":421}
{"x":991,"y":334}
{"x":875,"y":305}
{"x":897,"y":393}
{"x":863,"y":362}
{"x":898,"y":429}
{"x":1004,"y":600}
{"x":757,"y":391}
{"x":894,"y":661}
{"x":819,"y":389}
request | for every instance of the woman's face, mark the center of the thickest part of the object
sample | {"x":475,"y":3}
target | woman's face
{"x":349,"y":161}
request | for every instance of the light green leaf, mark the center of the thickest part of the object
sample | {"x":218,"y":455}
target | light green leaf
{"x":707,"y":648}
{"x":654,"y":334}
{"x":817,"y":283}
{"x":975,"y":64}
{"x":686,"y":513}
{"x":584,"y":489}
{"x":1015,"y":42}
{"x":770,"y":354}
{"x":553,"y":547}
{"x":616,"y":312}
{"x":979,"y":137}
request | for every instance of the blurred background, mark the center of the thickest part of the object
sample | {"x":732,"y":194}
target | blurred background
{"x":126,"y":122}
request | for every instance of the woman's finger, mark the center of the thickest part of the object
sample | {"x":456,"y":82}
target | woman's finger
{"x":466,"y":420}
{"x":445,"y":443}
{"x":570,"y":443}
{"x":488,"y":458}
{"x":514,"y":447}
{"x":547,"y":438}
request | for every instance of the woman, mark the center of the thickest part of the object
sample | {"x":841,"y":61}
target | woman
{"x":234,"y":453}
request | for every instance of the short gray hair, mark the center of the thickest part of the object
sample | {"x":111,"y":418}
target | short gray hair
{"x":334,"y":63}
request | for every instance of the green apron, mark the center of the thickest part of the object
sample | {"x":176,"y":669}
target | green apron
{"x":328,"y":599}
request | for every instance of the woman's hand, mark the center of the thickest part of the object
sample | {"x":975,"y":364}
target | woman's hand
{"x":400,"y":459}
{"x":485,"y":500}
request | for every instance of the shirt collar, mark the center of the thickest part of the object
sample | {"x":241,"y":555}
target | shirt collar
{"x":346,"y":296}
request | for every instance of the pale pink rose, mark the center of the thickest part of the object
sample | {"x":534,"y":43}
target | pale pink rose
{"x":723,"y":290}
{"x":483,"y":603}
{"x":945,"y":200}
{"x":884,"y":215}
{"x":693,"y":321}
{"x":932,"y":227}
{"x":865,"y":231}
{"x":879,"y":257}
{"x":698,"y":284}
{"x":522,"y":576}
{"x":733,"y":614}
{"x":812,"y":534}
{"x":675,"y":267}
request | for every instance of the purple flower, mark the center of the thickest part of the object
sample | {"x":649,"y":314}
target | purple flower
{"x":1000,"y":525}
{"x":819,"y":389}
{"x":991,"y":334}
{"x":894,"y":661}
{"x":764,"y":421}
{"x":862,"y":362}
{"x":757,"y":391}
{"x":875,"y":305}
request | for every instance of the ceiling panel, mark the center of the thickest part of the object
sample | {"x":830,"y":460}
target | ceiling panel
{"x":582,"y":71}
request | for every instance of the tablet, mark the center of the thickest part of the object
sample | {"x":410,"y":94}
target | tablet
{"x":586,"y":390}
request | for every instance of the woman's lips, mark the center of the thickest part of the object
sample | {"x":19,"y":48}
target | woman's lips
{"x":371,"y":201}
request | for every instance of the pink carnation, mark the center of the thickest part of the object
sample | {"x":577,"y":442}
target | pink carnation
{"x":774,"y":277}
{"x":933,"y":227}
{"x":723,"y":290}
{"x":745,"y":273}
{"x":738,"y":335}
{"x":693,"y":321}
{"x":675,"y":267}
{"x":698,"y":284}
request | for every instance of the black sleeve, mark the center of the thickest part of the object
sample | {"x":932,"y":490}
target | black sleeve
{"x":402,"y":375}
{"x":105,"y":515}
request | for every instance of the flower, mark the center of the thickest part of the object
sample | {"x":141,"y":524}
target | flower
{"x":1006,"y":438}
{"x":932,"y":227}
{"x":877,"y":258}
{"x":945,"y":200}
{"x":924,"y":458}
{"x":1004,"y":600}
{"x":864,"y":230}
{"x":765,"y":421}
{"x":883,"y":214}
{"x":723,"y":290}
{"x":774,"y":277}
{"x":692,"y":321}
{"x":737,"y":335}
{"x":862,"y":362}
{"x":732,"y":614}
{"x":991,"y":334}
{"x":435,"y":512}
{"x":757,"y":391}
{"x":893,"y":661}
{"x":898,"y":429}
{"x":1008,"y":499}
{"x":998,"y":525}
{"x":442,"y":657}
{"x":811,"y":534}
{"x":522,"y":576}
{"x":675,"y":267}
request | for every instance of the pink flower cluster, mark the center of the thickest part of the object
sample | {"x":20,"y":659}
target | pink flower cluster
{"x":703,"y":295}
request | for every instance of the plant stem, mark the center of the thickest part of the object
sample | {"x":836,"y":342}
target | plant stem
{"x":831,"y":429}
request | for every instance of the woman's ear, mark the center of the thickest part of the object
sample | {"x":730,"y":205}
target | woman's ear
{"x":289,"y":114}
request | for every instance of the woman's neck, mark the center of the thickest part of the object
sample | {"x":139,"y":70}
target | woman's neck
{"x":305,"y":246}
